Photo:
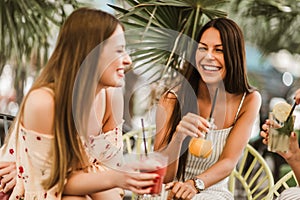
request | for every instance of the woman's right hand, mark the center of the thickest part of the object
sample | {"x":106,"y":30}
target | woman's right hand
{"x":8,"y":174}
{"x":129,"y":177}
{"x":193,"y":125}
{"x":139,"y":183}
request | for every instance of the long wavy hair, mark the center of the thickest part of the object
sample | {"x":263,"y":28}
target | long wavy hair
{"x":235,"y":81}
{"x":67,"y":69}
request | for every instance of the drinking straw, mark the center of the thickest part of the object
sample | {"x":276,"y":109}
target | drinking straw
{"x":7,"y":117}
{"x":210,"y":119}
{"x":213,"y":105}
{"x":291,"y":112}
{"x":144,"y":137}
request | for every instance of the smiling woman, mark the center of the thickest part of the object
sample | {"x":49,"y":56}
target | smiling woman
{"x":113,"y":60}
{"x":210,"y":57}
{"x":69,"y":124}
{"x":220,"y":65}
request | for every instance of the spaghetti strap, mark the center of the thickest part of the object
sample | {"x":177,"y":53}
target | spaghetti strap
{"x":172,"y":92}
{"x":48,"y":89}
{"x":240,"y":106}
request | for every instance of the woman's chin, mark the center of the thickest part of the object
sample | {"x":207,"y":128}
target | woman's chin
{"x":119,"y":83}
{"x":212,"y":80}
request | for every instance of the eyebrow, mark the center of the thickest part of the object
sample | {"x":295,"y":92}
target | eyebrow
{"x":120,"y":46}
{"x":218,"y":45}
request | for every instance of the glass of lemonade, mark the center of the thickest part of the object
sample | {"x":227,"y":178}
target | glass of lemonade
{"x":279,"y":133}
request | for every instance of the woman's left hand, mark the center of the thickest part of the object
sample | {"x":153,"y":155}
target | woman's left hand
{"x":181,"y":190}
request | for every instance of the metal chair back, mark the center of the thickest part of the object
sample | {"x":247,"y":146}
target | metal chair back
{"x":252,"y":178}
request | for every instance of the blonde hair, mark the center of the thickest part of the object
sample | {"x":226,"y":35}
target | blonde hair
{"x":82,"y":31}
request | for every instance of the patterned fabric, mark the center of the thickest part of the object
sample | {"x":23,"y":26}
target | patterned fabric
{"x":107,"y":148}
{"x":196,"y":166}
{"x":32,"y":172}
{"x":106,"y":151}
{"x":290,"y":194}
{"x":34,"y":151}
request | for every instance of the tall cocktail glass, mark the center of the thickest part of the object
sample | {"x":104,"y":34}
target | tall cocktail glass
{"x":159,"y":162}
{"x":279,"y":133}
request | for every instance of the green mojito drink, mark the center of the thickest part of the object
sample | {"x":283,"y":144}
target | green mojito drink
{"x":279,"y":133}
{"x":281,"y":126}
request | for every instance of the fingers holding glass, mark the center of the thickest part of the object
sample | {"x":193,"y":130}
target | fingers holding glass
{"x":193,"y":125}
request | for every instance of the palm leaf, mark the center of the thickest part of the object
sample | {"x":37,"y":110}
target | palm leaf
{"x":161,"y":34}
{"x":166,"y":25}
{"x":24,"y":30}
{"x":278,"y":23}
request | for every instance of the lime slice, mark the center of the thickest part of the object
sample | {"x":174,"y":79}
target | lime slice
{"x":281,"y":111}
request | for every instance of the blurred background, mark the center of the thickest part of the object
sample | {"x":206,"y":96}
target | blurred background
{"x":271,"y":27}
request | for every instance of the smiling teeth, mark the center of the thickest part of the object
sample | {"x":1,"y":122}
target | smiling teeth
{"x":121,"y":71}
{"x":210,"y":68}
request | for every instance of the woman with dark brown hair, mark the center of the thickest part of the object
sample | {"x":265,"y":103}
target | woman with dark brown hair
{"x":55,"y":156}
{"x":219,"y":65}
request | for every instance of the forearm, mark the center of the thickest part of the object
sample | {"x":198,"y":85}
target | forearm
{"x":172,"y":151}
{"x":79,"y":183}
{"x":297,"y":172}
{"x":217,"y":172}
{"x":295,"y":165}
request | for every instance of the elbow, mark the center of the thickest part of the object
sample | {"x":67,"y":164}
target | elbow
{"x":229,"y":166}
{"x":170,"y":176}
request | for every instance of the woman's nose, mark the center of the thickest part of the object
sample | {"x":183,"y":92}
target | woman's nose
{"x":127,"y":59}
{"x":209,"y":55}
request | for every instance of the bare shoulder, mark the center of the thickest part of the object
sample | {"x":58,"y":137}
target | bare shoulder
{"x":165,"y":108}
{"x":168,"y":98}
{"x":253,"y":97}
{"x":39,"y":111}
{"x":114,"y":108}
{"x":252,"y":102}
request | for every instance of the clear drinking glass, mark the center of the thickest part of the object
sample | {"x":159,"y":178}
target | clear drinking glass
{"x":279,"y":133}
{"x":159,"y":162}
{"x":202,"y":147}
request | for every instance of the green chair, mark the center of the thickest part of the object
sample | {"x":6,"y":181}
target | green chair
{"x":252,"y":176}
{"x":287,"y":181}
{"x":136,"y":137}
{"x":5,"y":121}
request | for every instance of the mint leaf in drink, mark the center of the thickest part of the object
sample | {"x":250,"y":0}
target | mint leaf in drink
{"x":288,"y":127}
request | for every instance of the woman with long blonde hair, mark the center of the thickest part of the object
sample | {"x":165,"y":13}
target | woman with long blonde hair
{"x":55,"y":157}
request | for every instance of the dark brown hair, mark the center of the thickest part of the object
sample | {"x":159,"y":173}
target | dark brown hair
{"x":235,"y":81}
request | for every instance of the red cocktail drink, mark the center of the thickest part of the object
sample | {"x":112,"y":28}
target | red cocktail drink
{"x":159,"y":162}
{"x":156,"y":188}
